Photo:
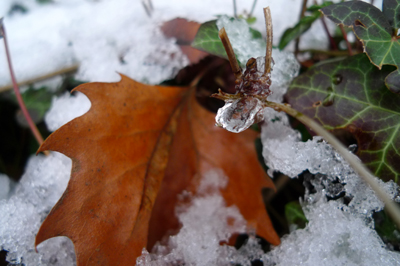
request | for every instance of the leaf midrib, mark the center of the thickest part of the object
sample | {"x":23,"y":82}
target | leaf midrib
{"x":307,"y":88}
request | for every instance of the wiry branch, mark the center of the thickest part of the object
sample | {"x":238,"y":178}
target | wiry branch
{"x":231,"y":55}
{"x":268,"y":54}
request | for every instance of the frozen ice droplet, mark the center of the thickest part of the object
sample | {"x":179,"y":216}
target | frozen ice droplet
{"x":238,"y":115}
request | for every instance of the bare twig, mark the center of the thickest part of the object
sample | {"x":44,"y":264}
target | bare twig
{"x":66,"y":70}
{"x":345,"y":38}
{"x":332,"y":42}
{"x":21,"y":103}
{"x":268,"y":53}
{"x":231,"y":55}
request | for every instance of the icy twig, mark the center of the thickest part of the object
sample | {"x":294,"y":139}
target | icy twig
{"x":21,"y":103}
{"x":44,"y":77}
{"x":231,"y":55}
{"x":268,"y":54}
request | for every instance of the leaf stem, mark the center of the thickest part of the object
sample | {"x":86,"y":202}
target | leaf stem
{"x":231,"y":55}
{"x":268,"y":53}
{"x":331,"y":40}
{"x":345,"y":38}
{"x":302,"y":12}
{"x":21,"y":103}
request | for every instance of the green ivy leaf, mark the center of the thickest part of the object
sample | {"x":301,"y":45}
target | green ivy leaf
{"x":295,"y":215}
{"x":292,"y":33}
{"x":375,"y":32}
{"x":391,"y":10}
{"x":207,"y":40}
{"x":386,"y":228}
{"x":302,"y":26}
{"x":350,"y":94}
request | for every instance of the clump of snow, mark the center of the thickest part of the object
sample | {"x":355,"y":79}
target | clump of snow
{"x":41,"y":186}
{"x":241,"y":39}
{"x":206,"y":222}
{"x":6,"y":185}
{"x":65,"y":108}
{"x":333,"y":236}
{"x":26,"y":209}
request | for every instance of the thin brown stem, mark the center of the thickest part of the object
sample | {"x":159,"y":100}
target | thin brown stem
{"x":302,"y":12}
{"x":332,"y":42}
{"x":325,"y":52}
{"x":345,"y":38}
{"x":231,"y":55}
{"x":18,"y":95}
{"x":66,"y":70}
{"x":268,"y":53}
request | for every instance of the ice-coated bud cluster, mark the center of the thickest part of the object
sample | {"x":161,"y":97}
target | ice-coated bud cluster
{"x":239,"y":114}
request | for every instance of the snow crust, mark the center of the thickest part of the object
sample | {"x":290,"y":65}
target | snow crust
{"x":65,"y":108}
{"x":45,"y":179}
{"x":206,"y":222}
{"x":106,"y":37}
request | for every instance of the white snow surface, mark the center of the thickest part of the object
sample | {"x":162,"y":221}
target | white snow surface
{"x":97,"y":35}
{"x":106,"y":37}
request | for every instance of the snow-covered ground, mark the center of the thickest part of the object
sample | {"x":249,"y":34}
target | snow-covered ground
{"x":96,"y":35}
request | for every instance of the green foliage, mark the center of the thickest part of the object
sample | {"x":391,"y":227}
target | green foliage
{"x":391,"y":10}
{"x":207,"y":39}
{"x":302,"y":26}
{"x":350,"y":94}
{"x":375,"y":31}
{"x":295,"y":215}
{"x":386,"y":228}
{"x":37,"y":101}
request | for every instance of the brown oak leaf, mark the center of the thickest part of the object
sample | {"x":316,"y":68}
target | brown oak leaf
{"x":136,"y":142}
